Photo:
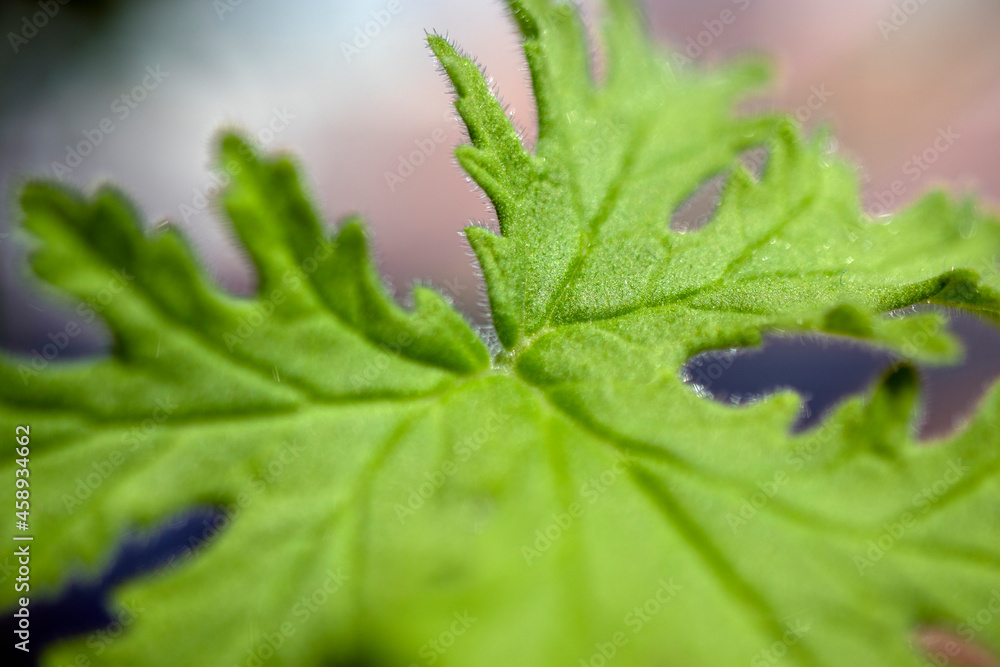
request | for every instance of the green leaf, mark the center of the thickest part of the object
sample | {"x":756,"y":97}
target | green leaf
{"x":394,"y":498}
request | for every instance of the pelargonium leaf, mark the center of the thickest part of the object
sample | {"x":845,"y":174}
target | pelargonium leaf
{"x":394,"y":497}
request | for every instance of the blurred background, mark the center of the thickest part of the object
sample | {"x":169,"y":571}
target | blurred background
{"x":134,"y":92}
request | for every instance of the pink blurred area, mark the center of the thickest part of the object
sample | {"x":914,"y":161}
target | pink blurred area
{"x":893,"y":79}
{"x":364,"y":106}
